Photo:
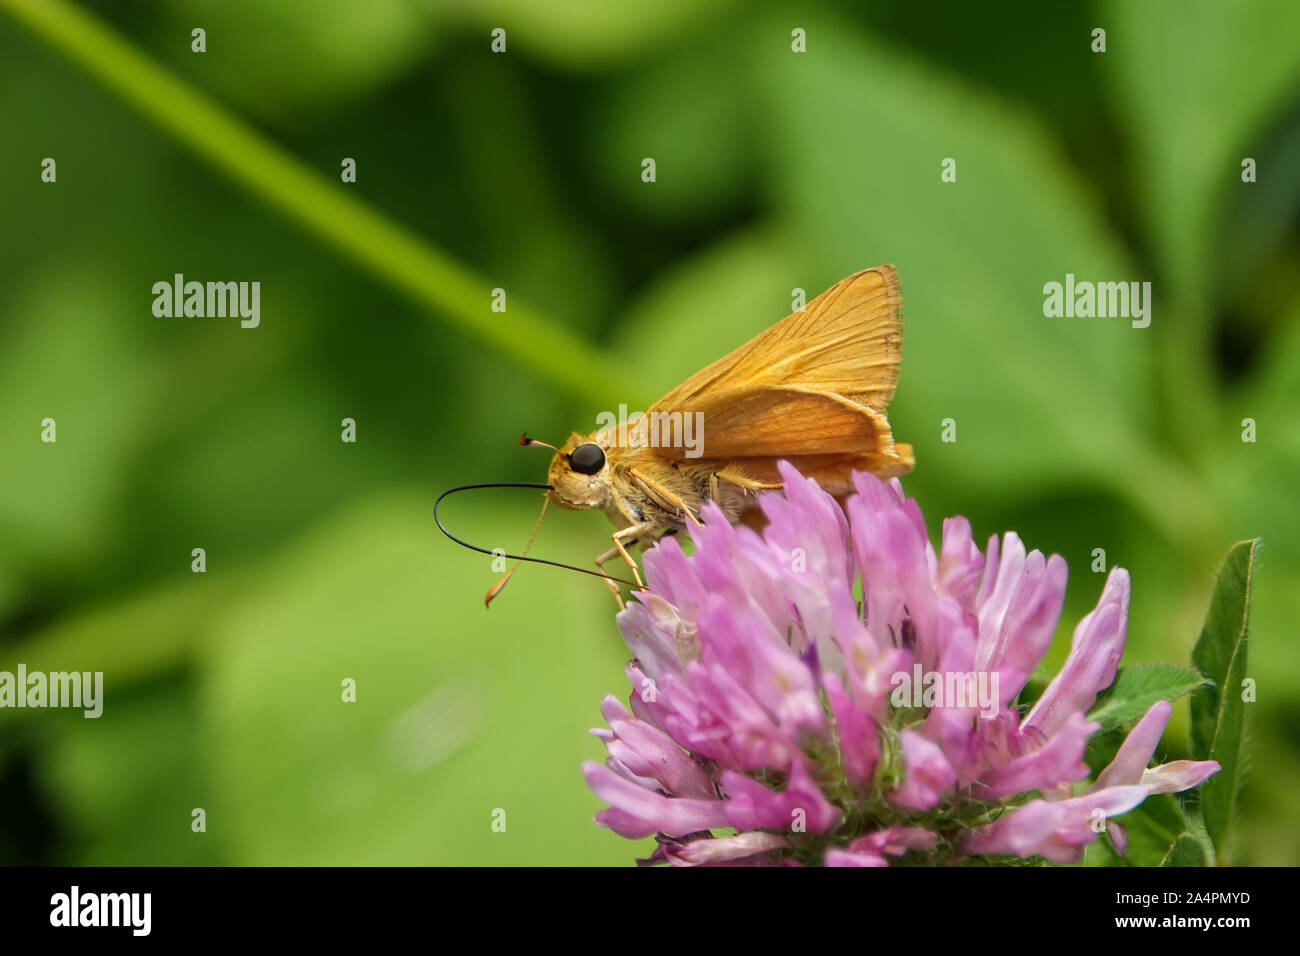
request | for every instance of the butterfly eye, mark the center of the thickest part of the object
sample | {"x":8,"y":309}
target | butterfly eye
{"x":587,"y":459}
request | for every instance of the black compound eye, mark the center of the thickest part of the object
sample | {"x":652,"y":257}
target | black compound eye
{"x":587,"y":459}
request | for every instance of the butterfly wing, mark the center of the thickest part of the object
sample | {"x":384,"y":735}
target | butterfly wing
{"x":812,"y":389}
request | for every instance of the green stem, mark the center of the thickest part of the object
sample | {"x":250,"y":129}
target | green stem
{"x":393,"y":253}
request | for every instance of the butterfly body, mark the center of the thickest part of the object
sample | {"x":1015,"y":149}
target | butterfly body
{"x":639,"y":486}
{"x":811,"y":389}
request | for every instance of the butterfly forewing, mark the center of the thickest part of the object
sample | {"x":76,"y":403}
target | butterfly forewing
{"x":812,"y":389}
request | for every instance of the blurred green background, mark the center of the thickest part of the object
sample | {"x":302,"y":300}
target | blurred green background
{"x":775,"y":170}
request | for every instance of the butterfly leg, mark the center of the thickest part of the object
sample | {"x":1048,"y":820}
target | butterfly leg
{"x":662,"y":496}
{"x":751,"y":485}
{"x":613,"y":587}
{"x":748,"y":485}
{"x":630,"y":534}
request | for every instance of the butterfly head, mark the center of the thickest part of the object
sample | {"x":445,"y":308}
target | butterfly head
{"x":579,"y":472}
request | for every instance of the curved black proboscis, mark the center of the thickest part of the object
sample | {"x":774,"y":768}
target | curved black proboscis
{"x":515,"y":557}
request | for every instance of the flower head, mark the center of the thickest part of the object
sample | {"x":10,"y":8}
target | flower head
{"x":834,"y":691}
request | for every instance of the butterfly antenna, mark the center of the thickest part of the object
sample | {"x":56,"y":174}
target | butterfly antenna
{"x":517,"y":558}
{"x":531,"y":442}
{"x":500,"y":585}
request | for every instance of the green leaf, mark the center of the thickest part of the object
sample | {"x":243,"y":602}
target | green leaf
{"x":578,"y":34}
{"x":1139,"y":686}
{"x":737,"y":283}
{"x":303,"y":194}
{"x":129,"y":639}
{"x":1218,"y":712}
{"x":1186,"y":851}
{"x":1155,"y":829}
{"x":297,"y":58}
{"x":459,"y":711}
{"x":118,"y":802}
{"x":857,"y":133}
{"x":59,"y":360}
{"x":688,"y":113}
{"x":1194,"y":109}
{"x":1255,"y":482}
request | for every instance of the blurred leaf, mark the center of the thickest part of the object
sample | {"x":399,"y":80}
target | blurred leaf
{"x":1186,"y":851}
{"x":534,"y":243}
{"x":1255,"y":270}
{"x":459,"y":711}
{"x":1192,"y":107}
{"x":60,"y":360}
{"x":1102,"y":748}
{"x":1218,"y":712}
{"x":577,"y":34}
{"x":141,"y":636}
{"x":1154,"y":828}
{"x":250,"y":473}
{"x":1276,"y":388}
{"x":714,"y":302}
{"x":1137,"y":687}
{"x":857,"y":134}
{"x":1256,"y":481}
{"x":368,"y":238}
{"x":289,"y":60}
{"x":1268,"y":825}
{"x":688,"y":112}
{"x":123,"y":804}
